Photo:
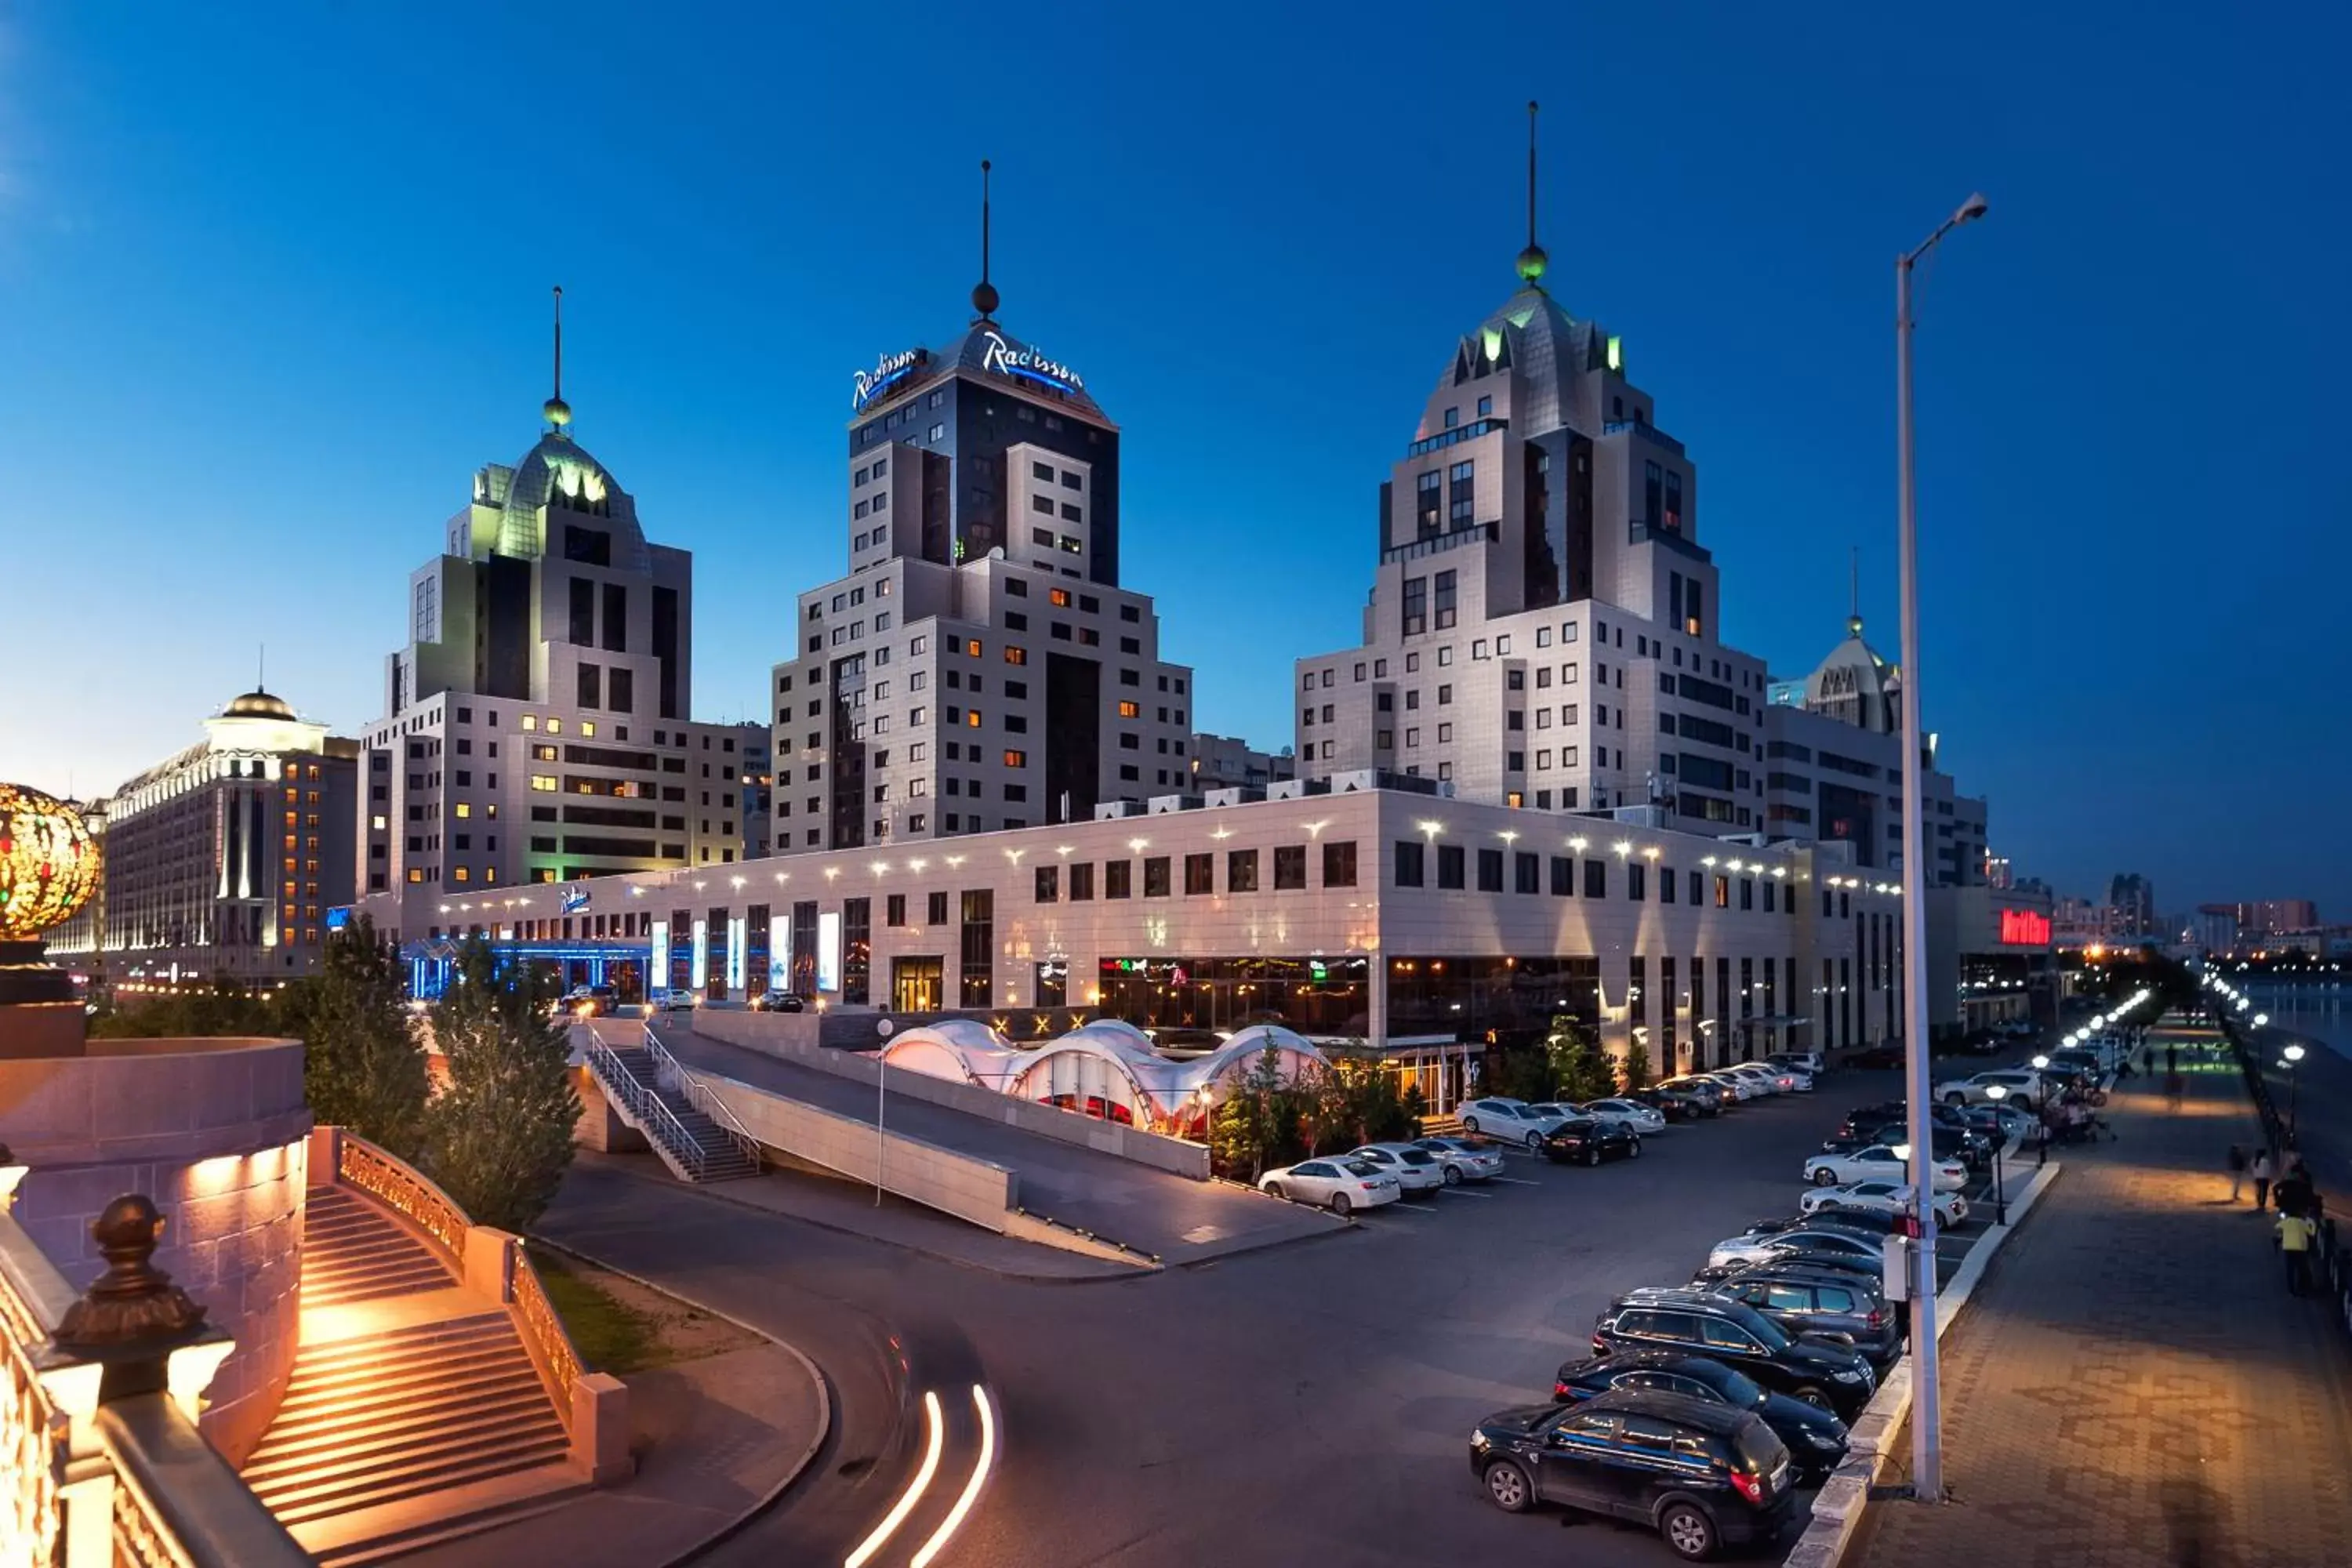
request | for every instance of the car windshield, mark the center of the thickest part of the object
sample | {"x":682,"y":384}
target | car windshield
{"x":1361,"y":1167}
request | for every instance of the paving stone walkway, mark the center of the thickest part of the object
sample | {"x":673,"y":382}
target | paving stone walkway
{"x":2133,"y":1387}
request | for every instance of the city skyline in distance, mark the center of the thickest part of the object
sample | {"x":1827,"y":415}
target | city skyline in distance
{"x":267,"y":363}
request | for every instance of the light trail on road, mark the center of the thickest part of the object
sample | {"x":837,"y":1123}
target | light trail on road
{"x":914,"y":1493}
{"x":971,"y":1489}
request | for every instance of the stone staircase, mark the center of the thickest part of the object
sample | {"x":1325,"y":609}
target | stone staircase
{"x":691,"y":1143}
{"x":416,"y":1415}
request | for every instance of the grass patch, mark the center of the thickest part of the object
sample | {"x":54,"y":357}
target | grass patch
{"x":610,"y":1334}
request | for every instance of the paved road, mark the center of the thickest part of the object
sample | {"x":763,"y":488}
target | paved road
{"x":2133,"y":1385}
{"x":1306,"y":1404}
{"x":1167,"y":1216}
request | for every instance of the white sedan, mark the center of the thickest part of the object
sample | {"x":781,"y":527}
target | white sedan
{"x":1754,"y":1248}
{"x":2015,"y":1084}
{"x":1878,"y":1162}
{"x":1416,"y":1170}
{"x":1339,"y":1184}
{"x":1512,"y":1121}
{"x":1461,"y":1160}
{"x":1733,"y":1084}
{"x":1631,"y":1113}
{"x":1771,"y":1080}
{"x":1878,"y":1197}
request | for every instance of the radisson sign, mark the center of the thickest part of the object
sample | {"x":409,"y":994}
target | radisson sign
{"x":2024,"y":928}
{"x":1014,"y":360}
{"x":888,"y":371}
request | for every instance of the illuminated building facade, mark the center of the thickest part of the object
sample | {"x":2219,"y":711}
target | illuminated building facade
{"x":980,"y":668}
{"x":224,"y":858}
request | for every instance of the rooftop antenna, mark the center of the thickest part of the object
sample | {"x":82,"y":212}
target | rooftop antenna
{"x":1532,"y":260}
{"x":557,"y":412}
{"x":261,"y":666}
{"x":1854,"y":593}
{"x":983,"y":295}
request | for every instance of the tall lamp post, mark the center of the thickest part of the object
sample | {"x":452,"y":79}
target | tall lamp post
{"x":2293,"y":1055}
{"x":1926,"y":1410}
{"x":2041,"y":1122}
{"x":1997,"y":1092}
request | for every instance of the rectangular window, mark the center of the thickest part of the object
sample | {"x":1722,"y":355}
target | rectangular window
{"x":1460,"y":496}
{"x":1445,"y":606}
{"x":1409,"y":857}
{"x":1723,"y":892}
{"x":1637,"y":880}
{"x":893,"y":910}
{"x":1527,"y":872}
{"x":1082,"y":882}
{"x":1665,"y":884}
{"x":1290,"y":867}
{"x":1339,"y":864}
{"x":1416,"y":605}
{"x":1490,"y":870}
{"x":1200,"y":874}
{"x":978,"y":946}
{"x":1428,"y":489}
{"x":1155,"y":877}
{"x":1596,"y":878}
{"x":1241,"y":870}
{"x":1049,"y":884}
{"x":1563,"y":877}
{"x":1450,"y":865}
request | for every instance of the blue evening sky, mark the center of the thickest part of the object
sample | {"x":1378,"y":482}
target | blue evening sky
{"x":273,"y":282}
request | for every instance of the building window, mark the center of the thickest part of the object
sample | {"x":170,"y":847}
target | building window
{"x":1339,"y":864}
{"x":1450,"y":865}
{"x":1049,"y":884}
{"x":1290,"y":868}
{"x":1527,"y":873}
{"x":1596,"y":878}
{"x":1637,"y":880}
{"x":1460,"y":496}
{"x":893,"y":910}
{"x":1200,"y":874}
{"x":1241,"y":870}
{"x":1155,"y":877}
{"x":978,"y":946}
{"x":1444,"y":607}
{"x":1427,"y":491}
{"x":1416,"y":605}
{"x":1410,"y":862}
{"x":1117,"y":878}
{"x":1563,"y":877}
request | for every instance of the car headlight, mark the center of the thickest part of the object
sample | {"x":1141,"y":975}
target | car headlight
{"x":1479,"y":1440}
{"x":1846,"y":1374}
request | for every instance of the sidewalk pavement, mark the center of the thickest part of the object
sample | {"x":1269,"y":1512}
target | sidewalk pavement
{"x":2132,"y":1385}
{"x":715,"y":1439}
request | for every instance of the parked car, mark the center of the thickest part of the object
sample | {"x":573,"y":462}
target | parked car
{"x":589,"y":1002}
{"x":1878,"y":1057}
{"x":1673,"y":1104}
{"x":675,"y":1002}
{"x":1810,"y":1237}
{"x":1808,"y":1062}
{"x":781,"y":1001}
{"x":1772,"y":1080}
{"x":1878,"y":1162}
{"x":1416,"y":1170}
{"x":1732,"y":1084}
{"x":1459,"y":1160}
{"x":1805,"y":1299}
{"x":2000,"y":1123}
{"x":1816,"y":1440}
{"x":1340,"y":1184}
{"x":1819,"y":1372}
{"x":1587,"y":1141}
{"x":1970,"y":1147}
{"x":1641,"y":1119}
{"x":1879,"y":1197}
{"x":1702,"y":1089}
{"x":1511,"y":1121}
{"x":1861,"y":1222}
{"x":1700,"y":1472}
{"x":2020,"y":1083}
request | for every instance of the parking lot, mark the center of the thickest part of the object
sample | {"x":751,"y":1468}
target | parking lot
{"x":1314,"y":1402}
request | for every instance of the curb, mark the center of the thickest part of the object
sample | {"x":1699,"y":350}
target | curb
{"x":1838,"y":1506}
{"x":798,"y":1467}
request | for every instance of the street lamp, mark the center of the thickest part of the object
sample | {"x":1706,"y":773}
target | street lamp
{"x":2041,"y":1121}
{"x":882,"y":1026}
{"x":1997,"y":1092}
{"x":2293,"y":1055}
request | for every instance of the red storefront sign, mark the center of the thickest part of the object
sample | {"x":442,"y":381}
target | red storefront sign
{"x":2024,"y":928}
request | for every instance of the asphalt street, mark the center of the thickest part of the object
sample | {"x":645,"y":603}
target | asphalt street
{"x":1308,"y":1402}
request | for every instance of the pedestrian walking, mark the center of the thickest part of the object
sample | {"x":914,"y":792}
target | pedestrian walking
{"x":2295,"y":1235}
{"x":2237,"y":1171}
{"x":2260,"y":1170}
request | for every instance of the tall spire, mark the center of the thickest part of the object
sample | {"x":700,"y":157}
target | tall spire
{"x":1532,"y":260}
{"x":983,"y":295}
{"x":557,"y":412}
{"x":1854,"y":593}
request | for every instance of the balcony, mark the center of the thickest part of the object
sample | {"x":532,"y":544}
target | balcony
{"x":1438,"y":543}
{"x":1640,"y":532}
{"x":1458,"y":435}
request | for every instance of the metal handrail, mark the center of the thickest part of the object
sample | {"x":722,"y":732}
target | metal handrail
{"x":704,"y":1099}
{"x":642,"y":1102}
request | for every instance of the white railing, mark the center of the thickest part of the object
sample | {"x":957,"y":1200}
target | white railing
{"x":700,"y":1096}
{"x":644,"y":1103}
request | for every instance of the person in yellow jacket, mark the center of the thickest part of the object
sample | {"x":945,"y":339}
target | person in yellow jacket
{"x":2296,"y":1235}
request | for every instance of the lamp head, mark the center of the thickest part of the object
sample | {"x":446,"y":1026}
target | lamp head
{"x":2294,"y":1053}
{"x":1973,"y":209}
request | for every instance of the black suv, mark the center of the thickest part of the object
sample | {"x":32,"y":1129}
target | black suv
{"x":1805,"y":1298}
{"x":1819,"y":1372}
{"x":1588,"y":1141}
{"x":1699,"y":1472}
{"x":1815,"y":1439}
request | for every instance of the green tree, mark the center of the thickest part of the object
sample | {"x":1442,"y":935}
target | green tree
{"x":365,"y":1068}
{"x":499,"y":1137}
{"x":1580,"y":1070}
{"x":1634,"y":1071}
{"x":1246,"y":1129}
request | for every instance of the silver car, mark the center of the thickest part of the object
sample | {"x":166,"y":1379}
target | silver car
{"x":1338,"y":1184}
{"x":1416,"y":1170}
{"x":1462,"y":1161}
{"x":1511,"y":1121}
{"x":1630,"y":1113}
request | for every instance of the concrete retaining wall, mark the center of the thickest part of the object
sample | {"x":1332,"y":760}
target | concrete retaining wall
{"x":214,"y":1132}
{"x":960,"y":1185}
{"x":795,"y":1037}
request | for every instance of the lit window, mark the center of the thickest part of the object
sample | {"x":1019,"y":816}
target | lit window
{"x":465,"y":808}
{"x":1129,"y":710}
{"x":377,"y":823}
{"x":461,"y":874}
{"x":1061,"y":597}
{"x":531,"y":721}
{"x":971,"y":718}
{"x":543,"y":783}
{"x":1016,"y":759}
{"x":588,"y":728}
{"x":555,"y":726}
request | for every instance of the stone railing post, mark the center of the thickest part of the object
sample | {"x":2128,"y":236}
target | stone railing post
{"x":490,"y":1262}
{"x":599,"y":1428}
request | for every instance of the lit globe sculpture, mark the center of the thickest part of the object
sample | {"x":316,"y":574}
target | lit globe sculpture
{"x":48,"y":863}
{"x":49,"y":868}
